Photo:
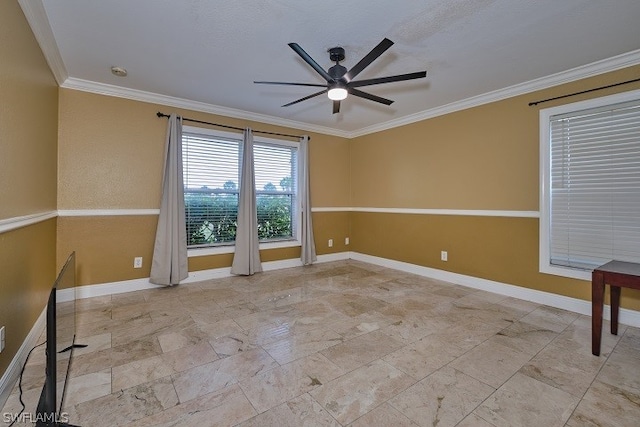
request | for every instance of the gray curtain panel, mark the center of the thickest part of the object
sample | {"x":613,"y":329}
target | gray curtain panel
{"x":169,"y":264}
{"x":308,"y":253}
{"x":246,"y":259}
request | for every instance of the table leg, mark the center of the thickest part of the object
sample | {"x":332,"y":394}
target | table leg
{"x":597,"y":302}
{"x":615,"y":308}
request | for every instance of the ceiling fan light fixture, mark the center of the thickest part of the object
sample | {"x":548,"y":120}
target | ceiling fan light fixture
{"x":337,"y":93}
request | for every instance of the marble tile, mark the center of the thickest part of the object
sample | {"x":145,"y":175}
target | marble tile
{"x":93,"y":343}
{"x":208,"y":316}
{"x":359,"y":325}
{"x":225,"y":407}
{"x":189,"y":357}
{"x":354,"y":394}
{"x":125,"y":335}
{"x":524,"y":337}
{"x":524,"y":401}
{"x":219,"y":329}
{"x":199,"y":354}
{"x":88,"y":316}
{"x":116,"y":356}
{"x":444,"y":398}
{"x":384,"y":415}
{"x":361,"y":350}
{"x":353,"y":305}
{"x":622,"y":370}
{"x":127,"y":298}
{"x":411,"y":327}
{"x":88,"y":387}
{"x":606,"y":405}
{"x":571,"y":371}
{"x":234,"y":343}
{"x":550,"y":318}
{"x":468,"y":334}
{"x":424,"y":356}
{"x":174,"y":340}
{"x":301,"y":345}
{"x":139,"y":372}
{"x":130,"y":311}
{"x":13,"y":406}
{"x":239,"y":310}
{"x":125,"y":406}
{"x":221,"y":373}
{"x":299,"y":411}
{"x":277,"y":315}
{"x":453,"y":291}
{"x":472,"y":420}
{"x":112,"y":326}
{"x":491,"y":363}
{"x":278,"y":385}
{"x":93,"y":303}
{"x":630,"y":341}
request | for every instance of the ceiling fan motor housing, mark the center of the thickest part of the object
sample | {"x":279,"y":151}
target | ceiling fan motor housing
{"x":337,"y":71}
{"x":336,"y":54}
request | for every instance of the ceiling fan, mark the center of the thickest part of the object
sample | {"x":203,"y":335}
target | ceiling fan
{"x":340,"y":82}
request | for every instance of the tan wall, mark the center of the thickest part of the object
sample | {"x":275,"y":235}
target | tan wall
{"x":111,"y":155}
{"x":28,"y":152}
{"x":483,"y":158}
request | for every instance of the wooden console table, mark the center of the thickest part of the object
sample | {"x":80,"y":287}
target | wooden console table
{"x":617,"y":274}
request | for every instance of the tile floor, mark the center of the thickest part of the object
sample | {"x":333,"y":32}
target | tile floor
{"x":340,"y":344}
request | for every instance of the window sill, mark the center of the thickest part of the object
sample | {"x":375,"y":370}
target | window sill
{"x":572,"y":273}
{"x":229,"y":249}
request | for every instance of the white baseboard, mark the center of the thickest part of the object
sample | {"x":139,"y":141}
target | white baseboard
{"x":627,"y":317}
{"x":88,"y":291}
{"x":8,"y":380}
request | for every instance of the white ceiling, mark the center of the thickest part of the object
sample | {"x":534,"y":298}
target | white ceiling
{"x":205,"y":54}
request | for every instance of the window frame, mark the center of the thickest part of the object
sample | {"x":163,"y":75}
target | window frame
{"x":545,"y":115}
{"x":297,"y":220}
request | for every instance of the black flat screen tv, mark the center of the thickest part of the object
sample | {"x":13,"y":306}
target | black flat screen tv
{"x":61,"y":335}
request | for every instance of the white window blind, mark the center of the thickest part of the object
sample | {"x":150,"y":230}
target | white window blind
{"x":595,"y":186}
{"x":211,"y":170}
{"x":276,"y":188}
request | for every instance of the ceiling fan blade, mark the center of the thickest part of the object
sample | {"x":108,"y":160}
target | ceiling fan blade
{"x":304,"y":55}
{"x":361,"y":94}
{"x":336,"y":107}
{"x":390,"y":79}
{"x":290,"y":84}
{"x":368,"y":59}
{"x":306,"y":97}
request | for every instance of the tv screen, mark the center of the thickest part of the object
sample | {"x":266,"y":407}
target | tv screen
{"x":59,"y":349}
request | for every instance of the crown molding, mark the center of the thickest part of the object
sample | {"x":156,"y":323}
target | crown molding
{"x":36,"y":16}
{"x":607,"y":65}
{"x":170,"y":101}
{"x":604,"y":66}
{"x":39,"y":22}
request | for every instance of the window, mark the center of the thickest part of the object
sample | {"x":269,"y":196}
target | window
{"x":590,"y":192}
{"x":211,"y":171}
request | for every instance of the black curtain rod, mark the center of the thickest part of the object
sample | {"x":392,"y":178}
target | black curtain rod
{"x":159,"y":114}
{"x":584,"y":91}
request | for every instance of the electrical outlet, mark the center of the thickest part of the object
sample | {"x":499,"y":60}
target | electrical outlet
{"x":1,"y":339}
{"x":330,"y":243}
{"x":346,"y":241}
{"x":137,"y":262}
{"x":443,"y":256}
